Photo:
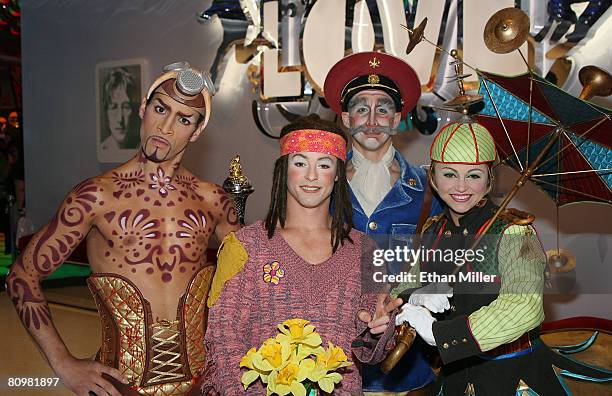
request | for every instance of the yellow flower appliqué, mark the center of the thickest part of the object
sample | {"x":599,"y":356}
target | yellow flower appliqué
{"x":273,"y":272}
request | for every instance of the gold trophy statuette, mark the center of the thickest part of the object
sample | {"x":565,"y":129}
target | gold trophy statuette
{"x":238,"y":186}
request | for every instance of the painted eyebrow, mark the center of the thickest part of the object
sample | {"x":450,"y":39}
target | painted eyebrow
{"x":161,"y":101}
{"x":168,"y":107}
{"x":356,"y":101}
{"x":384,"y":101}
{"x":469,"y":170}
{"x":185,"y":115}
{"x":304,"y":157}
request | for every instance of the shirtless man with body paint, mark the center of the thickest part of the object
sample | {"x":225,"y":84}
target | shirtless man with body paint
{"x":147,"y":224}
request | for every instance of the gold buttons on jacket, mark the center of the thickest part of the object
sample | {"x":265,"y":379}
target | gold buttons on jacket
{"x":445,"y":345}
{"x":448,"y":233}
{"x":412,"y":182}
{"x":372,"y":225}
{"x":464,"y":340}
{"x":454,"y":342}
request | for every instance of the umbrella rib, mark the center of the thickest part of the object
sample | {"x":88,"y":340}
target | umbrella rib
{"x":585,"y":160}
{"x":529,"y":119}
{"x":598,"y":199}
{"x":558,"y":155}
{"x":586,"y":102}
{"x":572,"y":172}
{"x":595,"y":108}
{"x":571,"y":143}
{"x":484,"y":80}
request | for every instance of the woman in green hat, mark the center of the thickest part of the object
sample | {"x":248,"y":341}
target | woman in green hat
{"x":488,"y":333}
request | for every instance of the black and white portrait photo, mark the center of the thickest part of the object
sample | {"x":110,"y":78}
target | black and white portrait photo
{"x":118,"y":92}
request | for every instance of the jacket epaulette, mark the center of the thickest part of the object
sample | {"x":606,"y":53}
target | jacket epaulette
{"x":515,"y":216}
{"x":430,"y":221}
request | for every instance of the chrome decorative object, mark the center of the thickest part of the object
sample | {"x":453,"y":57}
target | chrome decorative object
{"x":238,"y":186}
{"x":595,"y":81}
{"x":560,"y":271}
{"x":416,"y":35}
{"x":506,"y":30}
{"x":463,"y":101}
{"x":404,"y":339}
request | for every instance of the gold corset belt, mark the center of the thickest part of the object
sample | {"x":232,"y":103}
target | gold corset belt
{"x":157,"y":358}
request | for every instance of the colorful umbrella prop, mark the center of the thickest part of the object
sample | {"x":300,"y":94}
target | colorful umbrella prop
{"x":526,"y":113}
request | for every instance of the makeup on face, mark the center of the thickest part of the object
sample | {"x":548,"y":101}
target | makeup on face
{"x":311,"y":177}
{"x":167,"y":128}
{"x":461,"y":186}
{"x":371,"y":119}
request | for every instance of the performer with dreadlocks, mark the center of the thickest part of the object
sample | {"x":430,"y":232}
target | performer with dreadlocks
{"x":302,"y":261}
{"x":489,"y":340}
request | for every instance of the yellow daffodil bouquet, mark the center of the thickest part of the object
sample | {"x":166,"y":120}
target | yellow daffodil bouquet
{"x":294,"y":362}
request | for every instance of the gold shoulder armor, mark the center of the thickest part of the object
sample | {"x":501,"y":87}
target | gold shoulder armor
{"x":430,"y":221}
{"x":515,"y":216}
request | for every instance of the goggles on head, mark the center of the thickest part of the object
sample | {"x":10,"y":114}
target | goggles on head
{"x":187,"y":85}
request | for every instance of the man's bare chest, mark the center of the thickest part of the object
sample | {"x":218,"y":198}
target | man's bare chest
{"x":162,"y":234}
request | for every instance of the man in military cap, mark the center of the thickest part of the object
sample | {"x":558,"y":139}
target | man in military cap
{"x":372,"y":92}
{"x":147,"y":225}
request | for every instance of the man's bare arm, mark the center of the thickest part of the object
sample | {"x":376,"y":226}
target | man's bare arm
{"x":44,"y":254}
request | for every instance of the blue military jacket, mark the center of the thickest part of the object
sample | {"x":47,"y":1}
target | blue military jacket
{"x":392,"y":223}
{"x":398,"y":213}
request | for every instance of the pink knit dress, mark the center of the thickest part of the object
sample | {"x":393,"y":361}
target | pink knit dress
{"x":328,"y":294}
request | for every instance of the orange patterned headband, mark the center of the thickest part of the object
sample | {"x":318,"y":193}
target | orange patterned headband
{"x":313,"y":140}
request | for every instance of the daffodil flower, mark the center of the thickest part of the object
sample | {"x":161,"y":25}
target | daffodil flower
{"x":254,"y":373}
{"x":298,"y":331}
{"x":321,"y":371}
{"x":285,"y":362}
{"x":288,"y":380}
{"x":271,"y":355}
{"x":247,"y":360}
{"x":333,"y":358}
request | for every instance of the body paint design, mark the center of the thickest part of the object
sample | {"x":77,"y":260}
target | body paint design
{"x":227,"y":207}
{"x":161,"y":182}
{"x":33,"y":311}
{"x":126,"y":181}
{"x":60,"y":237}
{"x":190,"y":184}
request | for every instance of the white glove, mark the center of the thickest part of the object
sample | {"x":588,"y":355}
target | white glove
{"x":433,"y":297}
{"x":420,"y":319}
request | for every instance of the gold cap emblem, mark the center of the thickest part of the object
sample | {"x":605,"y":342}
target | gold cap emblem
{"x":374,"y":63}
{"x":373,"y":79}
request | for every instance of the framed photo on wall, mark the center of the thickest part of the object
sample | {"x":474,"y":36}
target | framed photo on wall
{"x":119,"y":90}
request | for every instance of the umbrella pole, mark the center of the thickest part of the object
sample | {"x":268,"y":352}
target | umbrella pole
{"x":557,"y":206}
{"x":519,"y":183}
